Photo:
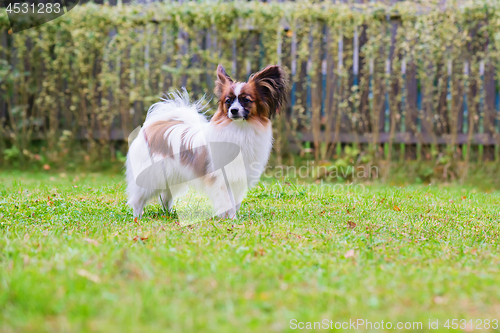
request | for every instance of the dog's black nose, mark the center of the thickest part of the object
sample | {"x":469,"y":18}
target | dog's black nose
{"x":234,"y":111}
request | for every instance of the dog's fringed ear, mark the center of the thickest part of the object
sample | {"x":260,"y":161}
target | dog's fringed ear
{"x":222,"y":80}
{"x":272,"y":85}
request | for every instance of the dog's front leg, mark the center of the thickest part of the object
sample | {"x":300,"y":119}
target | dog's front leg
{"x":166,"y":201}
{"x":237,"y":193}
{"x":220,"y":195}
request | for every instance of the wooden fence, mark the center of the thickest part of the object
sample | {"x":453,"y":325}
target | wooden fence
{"x":398,"y":82}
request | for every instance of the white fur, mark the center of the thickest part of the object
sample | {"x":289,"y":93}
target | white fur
{"x":237,"y":88}
{"x":236,"y":103}
{"x":157,"y":175}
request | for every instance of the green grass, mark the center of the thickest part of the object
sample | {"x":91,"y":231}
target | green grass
{"x":73,"y":259}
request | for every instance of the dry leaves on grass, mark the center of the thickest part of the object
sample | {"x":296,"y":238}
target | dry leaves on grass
{"x":349,"y":254}
{"x":351,"y":225}
{"x":396,"y":208}
{"x":91,"y":241}
{"x":259,"y":252}
{"x":440,"y":300}
{"x":142,"y":238}
{"x":89,"y":276}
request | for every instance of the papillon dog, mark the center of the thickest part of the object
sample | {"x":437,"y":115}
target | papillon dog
{"x":177,"y":146}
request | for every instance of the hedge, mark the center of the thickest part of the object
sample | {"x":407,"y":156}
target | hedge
{"x":419,"y":74}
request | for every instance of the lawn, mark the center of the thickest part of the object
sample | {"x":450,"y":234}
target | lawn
{"x":72,"y":258}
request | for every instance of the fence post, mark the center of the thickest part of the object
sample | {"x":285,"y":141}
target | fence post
{"x":489,"y":110}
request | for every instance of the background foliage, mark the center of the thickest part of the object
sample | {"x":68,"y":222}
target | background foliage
{"x":408,"y":81}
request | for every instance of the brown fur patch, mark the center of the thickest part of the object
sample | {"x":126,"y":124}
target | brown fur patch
{"x":197,"y":158}
{"x":272,"y":86}
{"x":158,"y":143}
{"x":259,"y":113}
{"x":155,"y":136}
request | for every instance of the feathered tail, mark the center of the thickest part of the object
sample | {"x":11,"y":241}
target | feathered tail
{"x":177,"y":106}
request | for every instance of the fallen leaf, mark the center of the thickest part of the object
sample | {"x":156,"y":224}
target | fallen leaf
{"x":248,"y":294}
{"x":439,"y":300}
{"x":136,"y":220}
{"x":264,"y":296}
{"x":46,"y":167}
{"x":464,"y":197}
{"x":259,"y":252}
{"x":396,"y":208}
{"x":89,"y":276}
{"x":142,"y":238}
{"x":351,"y":225}
{"x":91,"y":241}
{"x":349,"y":254}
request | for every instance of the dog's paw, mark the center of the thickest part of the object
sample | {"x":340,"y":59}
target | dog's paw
{"x":138,"y":213}
{"x":230,"y":214}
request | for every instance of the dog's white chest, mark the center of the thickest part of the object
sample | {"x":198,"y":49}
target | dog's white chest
{"x":255,"y":147}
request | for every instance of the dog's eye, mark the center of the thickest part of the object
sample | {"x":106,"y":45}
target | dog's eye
{"x":246,"y":100}
{"x":228,"y":101}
